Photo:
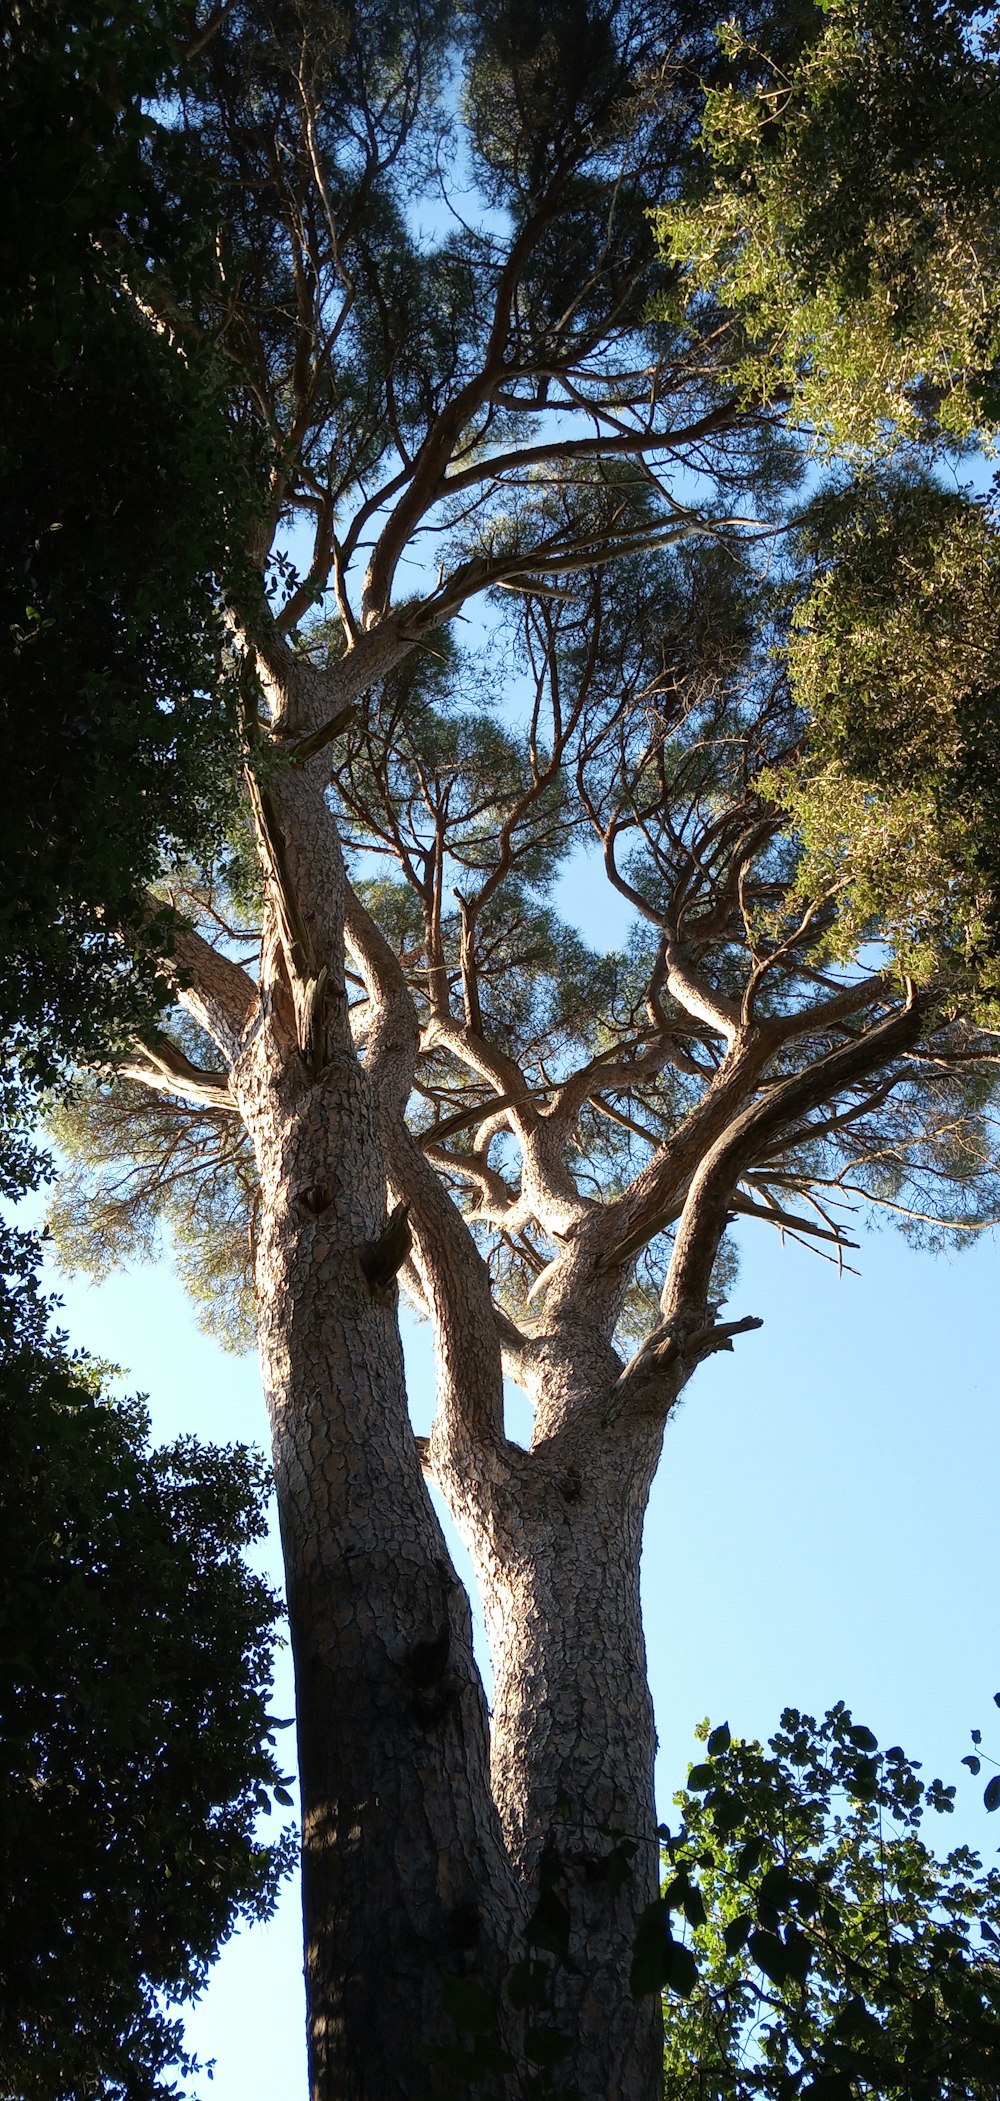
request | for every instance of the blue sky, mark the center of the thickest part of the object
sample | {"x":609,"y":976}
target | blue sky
{"x":822,"y":1526}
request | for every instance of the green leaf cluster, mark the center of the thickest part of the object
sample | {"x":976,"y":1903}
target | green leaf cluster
{"x":827,"y":1950}
{"x":846,"y":217}
{"x":135,"y":1753}
{"x":894,"y":657}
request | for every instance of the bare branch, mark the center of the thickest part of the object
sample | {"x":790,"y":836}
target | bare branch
{"x":787,"y":1221}
{"x":709,"y":1197}
{"x":164,"y":1069}
{"x":218,"y":993}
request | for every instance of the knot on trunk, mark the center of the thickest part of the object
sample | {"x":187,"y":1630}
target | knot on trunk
{"x":435,"y":1688}
{"x":316,"y":1199}
{"x":427,"y":1661}
{"x":668,"y":1357}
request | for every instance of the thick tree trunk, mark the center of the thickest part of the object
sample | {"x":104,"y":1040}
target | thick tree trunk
{"x":573,"y":1744}
{"x":404,"y":1876}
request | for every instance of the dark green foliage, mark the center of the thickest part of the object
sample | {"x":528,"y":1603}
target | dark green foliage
{"x":135,"y":1746}
{"x":894,"y":656}
{"x":136,"y":1644}
{"x":811,"y":1942}
{"x":123,"y":509}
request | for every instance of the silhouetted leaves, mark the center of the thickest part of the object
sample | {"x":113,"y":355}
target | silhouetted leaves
{"x":124,"y":509}
{"x":838,"y":1954}
{"x":135,"y":1654}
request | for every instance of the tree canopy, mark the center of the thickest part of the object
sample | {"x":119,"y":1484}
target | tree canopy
{"x":114,"y":725}
{"x":842,"y":226}
{"x":845,"y":210}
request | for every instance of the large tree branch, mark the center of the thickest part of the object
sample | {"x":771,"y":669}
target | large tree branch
{"x":496,"y":1205}
{"x":655,"y":1197}
{"x":452,"y":1278}
{"x":698,"y":998}
{"x":486,"y":1061}
{"x":594,"y":550}
{"x":609,"y":1072}
{"x":392,"y":1032}
{"x":304,"y":888}
{"x":219,"y":994}
{"x":690,"y":1330}
{"x":428,"y":477}
{"x":831,"y":1013}
{"x":631,"y":442}
{"x":468,"y":1432}
{"x":305,"y":698}
{"x":709,"y":1196}
{"x":165,"y":1070}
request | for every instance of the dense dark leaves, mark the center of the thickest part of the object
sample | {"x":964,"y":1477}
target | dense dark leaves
{"x":135,"y":1644}
{"x":825,"y":1949}
{"x":135,"y":1659}
{"x":123,"y":508}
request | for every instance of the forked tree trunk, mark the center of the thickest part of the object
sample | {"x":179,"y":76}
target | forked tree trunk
{"x":573,"y":1743}
{"x":404,"y":1876}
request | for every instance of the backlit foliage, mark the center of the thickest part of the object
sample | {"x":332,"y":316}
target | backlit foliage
{"x":848,"y":215}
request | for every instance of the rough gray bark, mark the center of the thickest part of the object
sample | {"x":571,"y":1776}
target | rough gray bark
{"x":555,"y":1538}
{"x":573,"y":1745}
{"x":429,"y":1836}
{"x":402,"y":1866}
{"x":405,"y":1877}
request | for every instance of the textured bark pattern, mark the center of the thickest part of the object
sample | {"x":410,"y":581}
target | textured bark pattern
{"x":425,"y":1842}
{"x":403,"y":1873}
{"x":572,"y":1733}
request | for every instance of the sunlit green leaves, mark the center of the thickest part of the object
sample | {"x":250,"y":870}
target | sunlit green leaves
{"x":848,"y":215}
{"x":894,"y":656}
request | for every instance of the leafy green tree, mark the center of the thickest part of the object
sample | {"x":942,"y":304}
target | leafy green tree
{"x":841,"y":224}
{"x":811,"y":1941}
{"x":124,"y":509}
{"x":135,"y":1664}
{"x":893,"y":659}
{"x":845,"y":218}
